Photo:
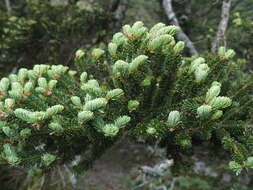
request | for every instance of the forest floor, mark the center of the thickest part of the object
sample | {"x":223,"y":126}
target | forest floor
{"x":112,"y":169}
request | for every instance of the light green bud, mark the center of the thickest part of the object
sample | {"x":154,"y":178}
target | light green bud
{"x":146,"y":81}
{"x":16,"y":86}
{"x":115,"y":93}
{"x":173,"y":118}
{"x":95,"y":104}
{"x":52,"y":84}
{"x":236,"y":167}
{"x":40,"y":90}
{"x":4,"y":84}
{"x":31,"y":75}
{"x":159,"y":41}
{"x":249,"y":162}
{"x":217,"y":115}
{"x":13,"y":78}
{"x":201,"y":72}
{"x":133,"y":105}
{"x":238,"y":22}
{"x":173,"y":30}
{"x":93,"y":82}
{"x":203,"y":67}
{"x":163,"y":30}
{"x":220,"y":102}
{"x":139,"y":32}
{"x":42,"y":82}
{"x":112,"y":48}
{"x":22,"y":74}
{"x":56,"y":71}
{"x":200,"y":75}
{"x":79,"y":54}
{"x":120,"y":68}
{"x":55,"y":126}
{"x":25,"y":115}
{"x":133,"y":66}
{"x":213,"y":92}
{"x":48,"y":159}
{"x":8,"y":131}
{"x":110,"y":130}
{"x":156,"y":27}
{"x":16,"y":94}
{"x":119,"y":39}
{"x":10,"y":154}
{"x":38,"y":116}
{"x":137,"y":25}
{"x":97,"y":53}
{"x":84,"y":116}
{"x":72,"y":73}
{"x":76,"y":100}
{"x":122,"y":121}
{"x":151,"y":130}
{"x":41,"y":69}
{"x":138,"y":29}
{"x":9,"y":103}
{"x":204,"y":110}
{"x":230,"y":54}
{"x":25,"y":132}
{"x":222,"y":51}
{"x":28,"y":87}
{"x":88,"y":97}
{"x":195,"y":64}
{"x":83,"y":77}
{"x":185,"y":142}
{"x":127,"y":30}
{"x":179,"y":47}
{"x":215,"y":83}
{"x":54,"y":110}
{"x":92,"y":87}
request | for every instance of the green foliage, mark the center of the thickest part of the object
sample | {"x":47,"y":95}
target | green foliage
{"x":144,"y":88}
{"x":40,"y":32}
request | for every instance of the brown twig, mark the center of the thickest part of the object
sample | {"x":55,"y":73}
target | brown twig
{"x":220,"y":35}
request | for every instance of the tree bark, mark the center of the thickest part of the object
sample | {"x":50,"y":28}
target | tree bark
{"x":220,"y":35}
{"x":119,"y":8}
{"x":167,"y":5}
{"x":8,"y":6}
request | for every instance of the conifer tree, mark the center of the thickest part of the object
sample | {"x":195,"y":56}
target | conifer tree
{"x":141,"y":86}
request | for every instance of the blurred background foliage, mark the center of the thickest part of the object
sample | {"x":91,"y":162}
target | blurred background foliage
{"x":49,"y":32}
{"x":39,"y":32}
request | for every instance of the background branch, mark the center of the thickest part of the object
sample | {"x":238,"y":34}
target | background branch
{"x":220,"y":35}
{"x":167,"y":5}
{"x":8,"y":6}
{"x":119,"y":8}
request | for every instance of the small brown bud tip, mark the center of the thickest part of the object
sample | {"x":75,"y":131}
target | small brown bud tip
{"x":3,"y":115}
{"x":171,"y":129}
{"x":223,"y":58}
{"x":130,"y":36}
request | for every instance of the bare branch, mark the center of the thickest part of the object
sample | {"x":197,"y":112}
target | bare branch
{"x":220,"y":35}
{"x":8,"y":6}
{"x":119,"y":9}
{"x":167,"y":4}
